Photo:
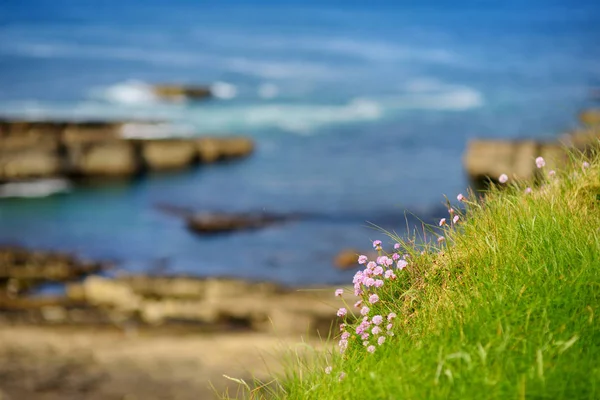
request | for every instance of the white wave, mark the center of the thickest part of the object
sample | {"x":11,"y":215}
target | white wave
{"x":431,"y":94}
{"x":301,"y":118}
{"x":155,"y":131}
{"x":38,"y":188}
{"x":268,"y":91}
{"x":223,"y":90}
{"x":130,"y":93}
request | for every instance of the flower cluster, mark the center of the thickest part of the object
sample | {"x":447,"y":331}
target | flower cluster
{"x":376,"y":324}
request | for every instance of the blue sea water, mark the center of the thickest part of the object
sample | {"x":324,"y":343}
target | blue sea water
{"x":360,"y":111}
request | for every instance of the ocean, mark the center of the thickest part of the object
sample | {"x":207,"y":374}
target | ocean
{"x":360,"y":112}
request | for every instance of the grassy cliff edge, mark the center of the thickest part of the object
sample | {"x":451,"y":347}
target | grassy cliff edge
{"x":503,"y":303}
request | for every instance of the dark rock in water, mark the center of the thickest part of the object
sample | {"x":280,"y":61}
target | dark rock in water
{"x":211,"y":223}
{"x":182,"y":92}
{"x":21,"y":268}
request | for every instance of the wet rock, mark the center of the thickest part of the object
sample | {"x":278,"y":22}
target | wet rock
{"x":168,"y":153}
{"x":109,"y":158}
{"x":22,"y":265}
{"x":182,"y":92}
{"x":212,"y":223}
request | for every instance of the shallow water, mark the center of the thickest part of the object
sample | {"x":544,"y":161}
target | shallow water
{"x":358,"y":114}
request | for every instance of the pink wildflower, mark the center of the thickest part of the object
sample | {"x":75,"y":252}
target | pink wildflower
{"x":378,"y":283}
{"x":369,"y":282}
{"x":540,"y":162}
{"x":373,"y":299}
{"x":342,"y":327}
{"x":342,"y":312}
{"x":328,"y":370}
{"x":378,"y":319}
{"x":366,"y":343}
{"x":389,"y":327}
{"x":384,"y":260}
{"x":455,"y":219}
{"x":358,"y":304}
{"x":365,"y":336}
{"x":460,"y":197}
{"x":376,"y":330}
{"x":358,"y":277}
{"x":441,"y":239}
{"x":551,"y":173}
{"x":391,"y":316}
{"x":401,"y":264}
{"x":389,"y":274}
{"x":503,"y":178}
{"x":395,"y":256}
{"x":371,"y":349}
{"x":397,"y":245}
{"x":585,"y":165}
{"x":342,"y":376}
{"x":381,"y":340}
{"x":343,"y":345}
{"x":365,"y":310}
{"x":442,"y":221}
{"x":345,"y":336}
{"x":339,"y":292}
{"x":451,"y":211}
{"x":378,"y":271}
{"x":377,"y":244}
{"x":528,"y":190}
{"x":362,"y":259}
{"x":371,"y":265}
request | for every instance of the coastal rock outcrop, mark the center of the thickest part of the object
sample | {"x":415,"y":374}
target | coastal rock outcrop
{"x":486,"y":160}
{"x":43,"y":149}
{"x":21,"y":268}
{"x":181,"y":92}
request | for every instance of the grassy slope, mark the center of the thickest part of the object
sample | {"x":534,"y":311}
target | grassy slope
{"x":511,"y":310}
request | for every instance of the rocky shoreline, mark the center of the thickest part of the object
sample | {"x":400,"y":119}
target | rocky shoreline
{"x":486,"y":160}
{"x":76,"y":149}
{"x":228,"y":321}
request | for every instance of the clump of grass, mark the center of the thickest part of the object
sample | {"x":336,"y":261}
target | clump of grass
{"x":502,"y":303}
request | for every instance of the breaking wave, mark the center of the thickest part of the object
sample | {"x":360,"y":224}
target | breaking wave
{"x":38,"y":188}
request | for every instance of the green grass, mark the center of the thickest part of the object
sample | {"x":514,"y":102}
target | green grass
{"x":509,"y":309}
